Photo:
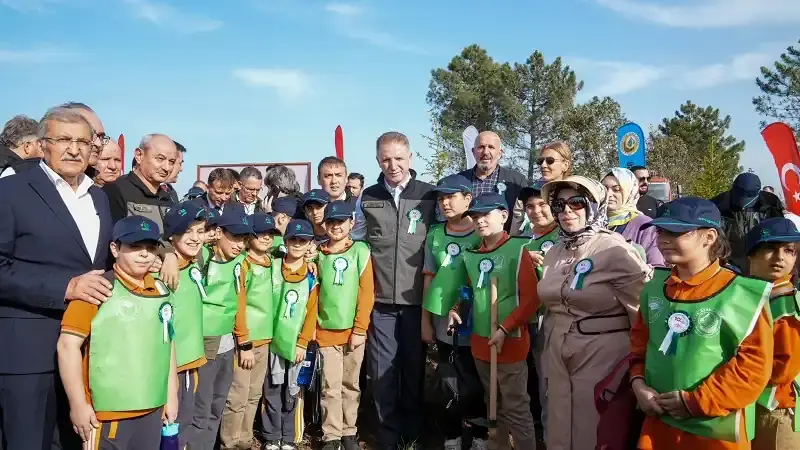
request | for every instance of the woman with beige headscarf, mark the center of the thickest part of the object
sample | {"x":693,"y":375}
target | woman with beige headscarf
{"x":622,"y":192}
{"x":591,"y":285}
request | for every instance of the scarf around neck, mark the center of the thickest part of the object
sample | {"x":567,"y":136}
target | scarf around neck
{"x":630,"y":196}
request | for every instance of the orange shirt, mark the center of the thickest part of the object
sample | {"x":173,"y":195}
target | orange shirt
{"x":365,"y":301}
{"x":267,"y":262}
{"x":515,"y":349}
{"x":786,"y":359}
{"x":733,"y":386}
{"x":78,"y":322}
{"x":183,"y":264}
{"x":294,"y":276}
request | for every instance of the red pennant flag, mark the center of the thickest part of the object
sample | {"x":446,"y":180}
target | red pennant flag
{"x":782,"y":144}
{"x":339,"y":142}
{"x":121,"y":143}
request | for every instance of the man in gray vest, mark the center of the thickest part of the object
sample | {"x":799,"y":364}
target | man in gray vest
{"x":393,"y":216}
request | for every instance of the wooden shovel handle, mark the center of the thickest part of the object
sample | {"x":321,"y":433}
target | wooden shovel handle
{"x":493,"y":358}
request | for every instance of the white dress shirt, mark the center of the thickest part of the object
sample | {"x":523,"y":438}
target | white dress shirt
{"x":359,"y":231}
{"x":80,"y":205}
{"x":8,"y":172}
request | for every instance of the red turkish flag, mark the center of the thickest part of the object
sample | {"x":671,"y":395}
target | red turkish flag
{"x":338,"y":142}
{"x":121,"y":143}
{"x":782,"y":144}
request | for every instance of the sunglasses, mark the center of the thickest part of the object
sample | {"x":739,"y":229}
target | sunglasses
{"x":549,"y":160}
{"x":647,"y":179}
{"x":576,"y":203}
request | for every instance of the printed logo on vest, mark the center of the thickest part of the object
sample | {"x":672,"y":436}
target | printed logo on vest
{"x":707,"y":322}
{"x":656,"y":306}
{"x":498,"y":261}
{"x":128,"y":310}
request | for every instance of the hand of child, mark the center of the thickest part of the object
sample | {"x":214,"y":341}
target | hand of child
{"x":311,"y":253}
{"x":357,"y":340}
{"x":246,"y":359}
{"x":537,"y":257}
{"x":156,"y":267}
{"x":84,"y":421}
{"x":672,"y":403}
{"x":299,"y":355}
{"x":428,"y":334}
{"x":171,"y":409}
{"x":646,"y":397}
{"x":169,"y":271}
{"x":312,"y":268}
{"x":497,"y":339}
{"x":453,"y":319}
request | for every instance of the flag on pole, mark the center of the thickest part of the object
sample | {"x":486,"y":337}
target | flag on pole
{"x":781,"y":141}
{"x":338,"y":140}
{"x":469,"y":136}
{"x":121,"y":143}
{"x":631,"y":145}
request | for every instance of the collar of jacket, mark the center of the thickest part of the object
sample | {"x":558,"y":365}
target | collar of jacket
{"x":411,"y":172}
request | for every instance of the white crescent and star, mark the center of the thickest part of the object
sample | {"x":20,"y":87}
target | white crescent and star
{"x":790,"y":167}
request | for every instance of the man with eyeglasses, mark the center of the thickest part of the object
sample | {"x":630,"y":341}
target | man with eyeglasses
{"x":647,"y":205}
{"x":19,"y":146}
{"x":99,"y":138}
{"x":251,"y":182}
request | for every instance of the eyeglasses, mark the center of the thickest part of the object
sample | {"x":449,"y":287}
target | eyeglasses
{"x":549,"y":160}
{"x":644,"y":179}
{"x":64,"y":142}
{"x":103,"y":139}
{"x":576,"y":203}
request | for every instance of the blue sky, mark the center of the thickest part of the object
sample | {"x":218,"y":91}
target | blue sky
{"x":268,"y":80}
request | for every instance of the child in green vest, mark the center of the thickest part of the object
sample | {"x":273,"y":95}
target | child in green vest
{"x":443,"y":247}
{"x":225,"y":331}
{"x":123,"y":386}
{"x":502,"y":258}
{"x":184,"y":228}
{"x":702,"y":342}
{"x":772,"y":247}
{"x":296,"y":292}
{"x":242,"y":403}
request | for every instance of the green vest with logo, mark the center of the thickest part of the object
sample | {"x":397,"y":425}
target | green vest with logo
{"x":290,"y":312}
{"x":503,"y":264}
{"x":187,"y":302}
{"x":222,"y":288}
{"x":260,"y":302}
{"x":447,"y":251}
{"x":129,"y":354}
{"x":714,"y":331}
{"x":339,"y":278}
{"x":783,"y":306}
{"x":542,"y":244}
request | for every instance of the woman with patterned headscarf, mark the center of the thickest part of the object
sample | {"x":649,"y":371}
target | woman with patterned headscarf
{"x":622,"y":193}
{"x":591,"y":285}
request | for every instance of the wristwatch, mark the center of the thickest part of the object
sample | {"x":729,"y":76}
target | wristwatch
{"x":247,"y":346}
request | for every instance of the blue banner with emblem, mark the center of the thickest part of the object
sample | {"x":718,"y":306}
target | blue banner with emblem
{"x":631,"y":145}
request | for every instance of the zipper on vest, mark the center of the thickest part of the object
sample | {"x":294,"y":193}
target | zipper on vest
{"x":396,"y":245}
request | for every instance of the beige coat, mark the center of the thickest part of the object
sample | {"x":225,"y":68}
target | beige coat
{"x":577,"y":361}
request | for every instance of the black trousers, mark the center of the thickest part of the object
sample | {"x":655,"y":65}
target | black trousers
{"x":27,"y":411}
{"x":396,"y":367}
{"x":453,"y":421}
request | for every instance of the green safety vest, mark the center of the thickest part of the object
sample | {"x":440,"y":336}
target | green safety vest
{"x":129,"y":359}
{"x":260,"y":303}
{"x":783,"y":306}
{"x":542,"y":244}
{"x":504,"y":267}
{"x":278,"y":245}
{"x":221,"y":302}
{"x":339,"y":277}
{"x":717,"y":327}
{"x":187,"y":302}
{"x":442,"y":292}
{"x":290,"y":312}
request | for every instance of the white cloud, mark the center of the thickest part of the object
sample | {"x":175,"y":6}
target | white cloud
{"x":350,"y":20}
{"x":287,"y":83}
{"x":26,"y":6}
{"x":709,"y":13}
{"x":167,"y":16}
{"x":741,"y":67}
{"x":37,"y":55}
{"x":343,"y":9}
{"x":617,"y":77}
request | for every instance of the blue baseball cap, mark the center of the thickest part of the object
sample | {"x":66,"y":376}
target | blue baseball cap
{"x":486,"y":203}
{"x":194,"y":193}
{"x":300,"y":229}
{"x":235,"y":221}
{"x":453,"y":184}
{"x":285,"y":205}
{"x":777,"y":229}
{"x":534,"y":189}
{"x":339,"y":210}
{"x":212,"y":216}
{"x":745,"y":189}
{"x":263,"y":223}
{"x":316,"y":196}
{"x":133,"y":229}
{"x":179,"y":218}
{"x":687,"y":214}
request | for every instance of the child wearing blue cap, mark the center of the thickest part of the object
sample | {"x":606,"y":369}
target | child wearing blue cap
{"x":297,"y":293}
{"x":123,"y":386}
{"x":772,"y":247}
{"x":702,"y":342}
{"x":500,"y":259}
{"x":242,"y":402}
{"x":284,"y":209}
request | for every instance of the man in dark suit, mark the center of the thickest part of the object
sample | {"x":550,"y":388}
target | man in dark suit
{"x":55,"y":228}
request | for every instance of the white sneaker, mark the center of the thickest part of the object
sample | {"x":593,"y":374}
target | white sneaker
{"x":479,"y":444}
{"x":452,"y":444}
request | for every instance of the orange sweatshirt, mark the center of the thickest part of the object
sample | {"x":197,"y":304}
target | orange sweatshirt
{"x":366,"y":299}
{"x":515,"y":349}
{"x":785,"y":359}
{"x":733,"y":386}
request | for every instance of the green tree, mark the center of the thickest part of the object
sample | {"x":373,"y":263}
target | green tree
{"x":713,"y":176}
{"x":447,"y":152}
{"x":780,"y":88}
{"x":667,"y":157}
{"x":590,"y":129}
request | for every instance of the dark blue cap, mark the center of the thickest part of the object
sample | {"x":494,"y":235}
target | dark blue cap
{"x":777,"y":229}
{"x":235,"y":221}
{"x":534,"y":189}
{"x":300,"y":229}
{"x":179,"y":218}
{"x":133,"y":229}
{"x":453,"y":184}
{"x":212,"y":216}
{"x":316,"y":196}
{"x":487,"y":203}
{"x":687,"y":214}
{"x":286,"y":205}
{"x":262,"y":223}
{"x":339,"y":210}
{"x":745,"y":189}
{"x":194,"y":193}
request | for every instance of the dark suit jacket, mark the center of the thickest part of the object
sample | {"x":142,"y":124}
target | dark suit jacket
{"x":41,"y":249}
{"x":514,"y":182}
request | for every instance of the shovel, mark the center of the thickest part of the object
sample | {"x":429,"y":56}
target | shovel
{"x":493,"y":365}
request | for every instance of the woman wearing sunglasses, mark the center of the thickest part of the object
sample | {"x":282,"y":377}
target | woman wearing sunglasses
{"x":624,"y":217}
{"x":555,"y":161}
{"x":591,"y":285}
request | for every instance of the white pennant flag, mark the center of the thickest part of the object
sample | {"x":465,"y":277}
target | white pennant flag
{"x":469,"y":135}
